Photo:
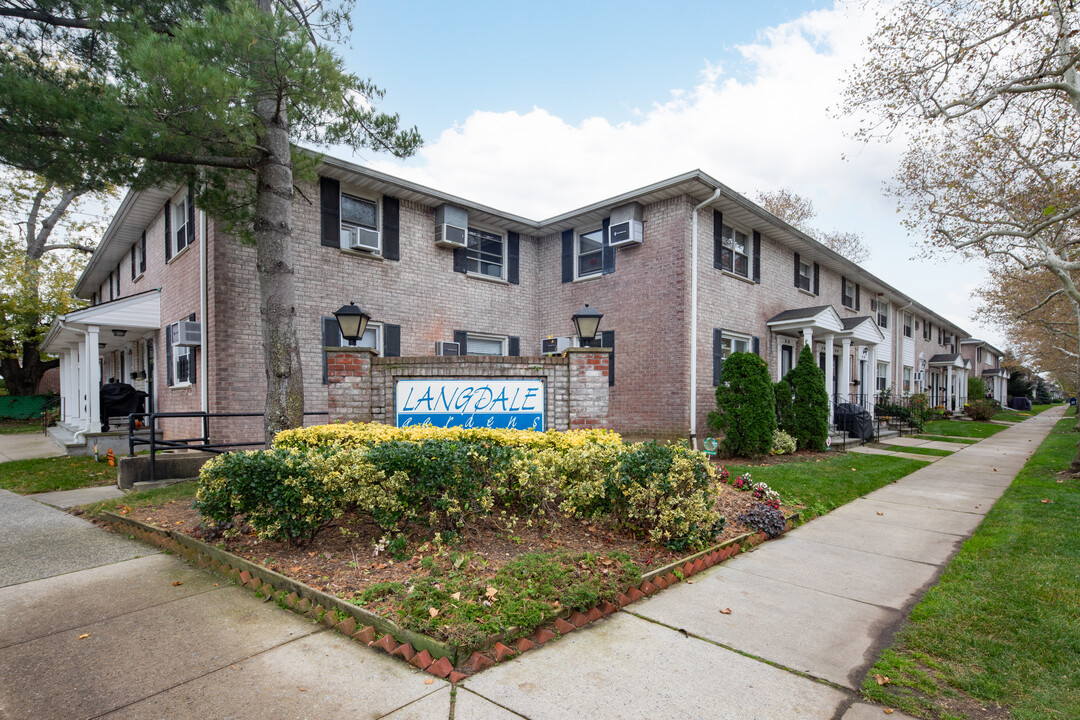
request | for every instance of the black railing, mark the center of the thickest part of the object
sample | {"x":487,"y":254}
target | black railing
{"x":202,"y":442}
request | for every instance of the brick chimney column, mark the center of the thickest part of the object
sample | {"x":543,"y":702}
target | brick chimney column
{"x":348,"y":377}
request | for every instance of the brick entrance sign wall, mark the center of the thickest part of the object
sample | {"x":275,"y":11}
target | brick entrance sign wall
{"x":360,"y":385}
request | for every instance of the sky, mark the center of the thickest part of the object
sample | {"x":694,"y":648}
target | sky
{"x":539,"y":108}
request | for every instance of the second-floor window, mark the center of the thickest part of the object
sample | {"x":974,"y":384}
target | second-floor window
{"x":590,"y":253}
{"x":882,"y":314}
{"x":848,"y":294}
{"x":907,"y":325}
{"x":734,"y":252}
{"x":804,"y":275}
{"x":360,"y":224}
{"x":486,"y":253}
{"x":182,"y":235}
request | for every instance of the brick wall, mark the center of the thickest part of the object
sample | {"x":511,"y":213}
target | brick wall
{"x":361,"y":385}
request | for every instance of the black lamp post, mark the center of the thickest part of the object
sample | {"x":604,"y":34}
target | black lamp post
{"x":352,"y":321}
{"x":586,"y":321}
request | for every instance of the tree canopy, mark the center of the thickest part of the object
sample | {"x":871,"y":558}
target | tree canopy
{"x":798,"y":211}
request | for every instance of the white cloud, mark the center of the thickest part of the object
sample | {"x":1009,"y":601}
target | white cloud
{"x":776,"y":128}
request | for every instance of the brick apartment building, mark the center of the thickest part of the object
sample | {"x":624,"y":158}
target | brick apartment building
{"x":685,"y":272}
{"x":985,"y":361}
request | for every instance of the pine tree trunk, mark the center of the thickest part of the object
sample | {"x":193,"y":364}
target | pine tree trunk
{"x":274,"y":264}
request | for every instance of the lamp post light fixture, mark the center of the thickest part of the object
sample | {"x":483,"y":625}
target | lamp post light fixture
{"x":119,"y":333}
{"x":586,"y":322}
{"x":352,"y":322}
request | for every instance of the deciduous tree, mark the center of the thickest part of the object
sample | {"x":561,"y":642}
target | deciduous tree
{"x":798,"y":211}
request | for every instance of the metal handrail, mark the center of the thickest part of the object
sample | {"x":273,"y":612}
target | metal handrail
{"x":195,"y":443}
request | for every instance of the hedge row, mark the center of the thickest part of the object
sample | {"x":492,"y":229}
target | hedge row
{"x":446,"y":479}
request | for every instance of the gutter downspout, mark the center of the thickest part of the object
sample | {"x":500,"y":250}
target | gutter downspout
{"x":694,"y":315}
{"x":204,"y":390}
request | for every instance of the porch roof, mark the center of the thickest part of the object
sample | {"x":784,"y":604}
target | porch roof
{"x":947,"y":360}
{"x":996,"y":371}
{"x":135,"y":314}
{"x":825,"y":320}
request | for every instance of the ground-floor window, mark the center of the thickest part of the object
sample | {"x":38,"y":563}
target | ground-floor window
{"x":907,"y":380}
{"x":787,"y":359}
{"x":486,"y":345}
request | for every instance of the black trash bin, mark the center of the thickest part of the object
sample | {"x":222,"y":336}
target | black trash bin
{"x":119,"y":400}
{"x":855,"y":420}
{"x":1020,"y":403}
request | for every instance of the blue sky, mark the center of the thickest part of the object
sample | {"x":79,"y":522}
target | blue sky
{"x":540,"y":108}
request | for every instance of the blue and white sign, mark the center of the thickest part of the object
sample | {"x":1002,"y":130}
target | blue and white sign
{"x":515,"y":404}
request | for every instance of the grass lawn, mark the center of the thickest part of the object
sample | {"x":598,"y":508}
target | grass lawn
{"x":962,"y":428}
{"x":54,"y":473}
{"x":825,"y":484}
{"x":1016,"y":416}
{"x":1002,"y":626}
{"x":184,"y":491}
{"x":945,"y":438}
{"x":19,"y":427}
{"x":917,"y":450}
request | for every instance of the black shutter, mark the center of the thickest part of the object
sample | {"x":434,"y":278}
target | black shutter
{"x":717,"y":355}
{"x":608,"y":252}
{"x":856,"y":296}
{"x":133,"y":262}
{"x":191,"y":213}
{"x":514,"y":346}
{"x":461,"y":260}
{"x":757,"y":257}
{"x":391,"y":340}
{"x":607,"y":339}
{"x":717,"y":240}
{"x":331,"y":337}
{"x":191,"y":375}
{"x":142,"y":260}
{"x":755,"y":344}
{"x":513,"y":252}
{"x":843,"y":287}
{"x":168,"y":233}
{"x":330,"y":192}
{"x":817,"y":279}
{"x":168,"y":356}
{"x":462,"y":339}
{"x":568,"y":256}
{"x":797,"y":276}
{"x":391,"y":228}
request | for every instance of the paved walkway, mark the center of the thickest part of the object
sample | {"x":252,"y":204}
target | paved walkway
{"x":24,"y":446}
{"x":809,"y":613}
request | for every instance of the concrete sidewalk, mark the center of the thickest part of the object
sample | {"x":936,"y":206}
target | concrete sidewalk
{"x":809,"y":613}
{"x":25,"y":446}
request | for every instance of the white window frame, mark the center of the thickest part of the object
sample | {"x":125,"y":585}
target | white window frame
{"x":503,"y":340}
{"x":805,"y":280}
{"x":728,"y":235}
{"x":179,"y":351}
{"x":881,"y":380}
{"x":372,"y":327}
{"x":578,"y":275}
{"x":907,"y":325}
{"x":780,"y":359}
{"x":473,"y":256}
{"x":343,"y":225}
{"x":136,"y":252}
{"x":907,"y":375}
{"x":729,"y":342}
{"x":883,"y":313}
{"x":847,"y":294}
{"x":180,"y":209}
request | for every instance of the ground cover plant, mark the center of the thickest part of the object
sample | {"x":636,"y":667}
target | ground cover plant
{"x":975,"y":641}
{"x":962,"y":428}
{"x":56,"y":473}
{"x":825,"y":482}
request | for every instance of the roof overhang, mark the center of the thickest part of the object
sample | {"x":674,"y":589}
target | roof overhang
{"x":819,"y":319}
{"x":947,"y":361}
{"x":137,"y":315}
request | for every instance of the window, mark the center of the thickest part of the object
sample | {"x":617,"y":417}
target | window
{"x":978,"y":355}
{"x":734,"y":255}
{"x":485,"y":345}
{"x":907,"y":380}
{"x":804,"y":275}
{"x":138,"y":257}
{"x":372,"y":337}
{"x":112,"y":294}
{"x":182,"y":359}
{"x":883,"y":314}
{"x":787,"y":358}
{"x":928,"y":330}
{"x":907,"y":325}
{"x":590,"y":253}
{"x":882,"y":377}
{"x":359,"y":224}
{"x":485,"y":253}
{"x":848,"y":294}
{"x":733,"y":344}
{"x":182,"y":235}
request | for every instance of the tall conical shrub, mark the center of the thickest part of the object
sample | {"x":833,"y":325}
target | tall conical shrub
{"x":745,"y":406}
{"x":809,"y":423}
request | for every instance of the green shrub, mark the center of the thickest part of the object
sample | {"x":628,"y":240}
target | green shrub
{"x":976,"y":389}
{"x":286,"y":495}
{"x":745,"y":406}
{"x":782,"y":443}
{"x":783,"y":395}
{"x":982,"y":410}
{"x":809,"y":415}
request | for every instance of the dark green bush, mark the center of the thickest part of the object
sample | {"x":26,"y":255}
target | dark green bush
{"x":976,"y":389}
{"x":783,"y":395}
{"x":982,"y":410}
{"x":808,"y":421}
{"x":745,"y":406}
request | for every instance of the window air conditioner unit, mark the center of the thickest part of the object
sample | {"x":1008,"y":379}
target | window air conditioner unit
{"x":625,"y":233}
{"x":444,"y":349}
{"x":555,"y":345}
{"x":450,"y":236}
{"x":188,"y":334}
{"x":359,"y":238}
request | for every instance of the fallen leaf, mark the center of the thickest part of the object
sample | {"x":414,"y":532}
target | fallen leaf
{"x":685,"y":634}
{"x":177,"y":583}
{"x":234,"y":667}
{"x":178,"y":522}
{"x":725,"y":611}
{"x":312,"y":554}
{"x":1060,"y":481}
{"x":84,"y":636}
{"x":434,"y":613}
{"x":689,"y":582}
{"x":491,"y":592}
{"x":459,"y":561}
{"x":295,"y":569}
{"x":302,"y":689}
{"x":215,"y":584}
{"x":429,"y":681}
{"x":888,"y":711}
{"x":882,"y":679}
{"x":456,"y":596}
{"x":881,"y":513}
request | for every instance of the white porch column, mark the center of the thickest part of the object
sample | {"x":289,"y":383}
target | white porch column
{"x":808,"y":339}
{"x":829,"y":374}
{"x":950,"y":389}
{"x":845,"y":369}
{"x":91,"y":376}
{"x":871,"y":371}
{"x":69,"y":384}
